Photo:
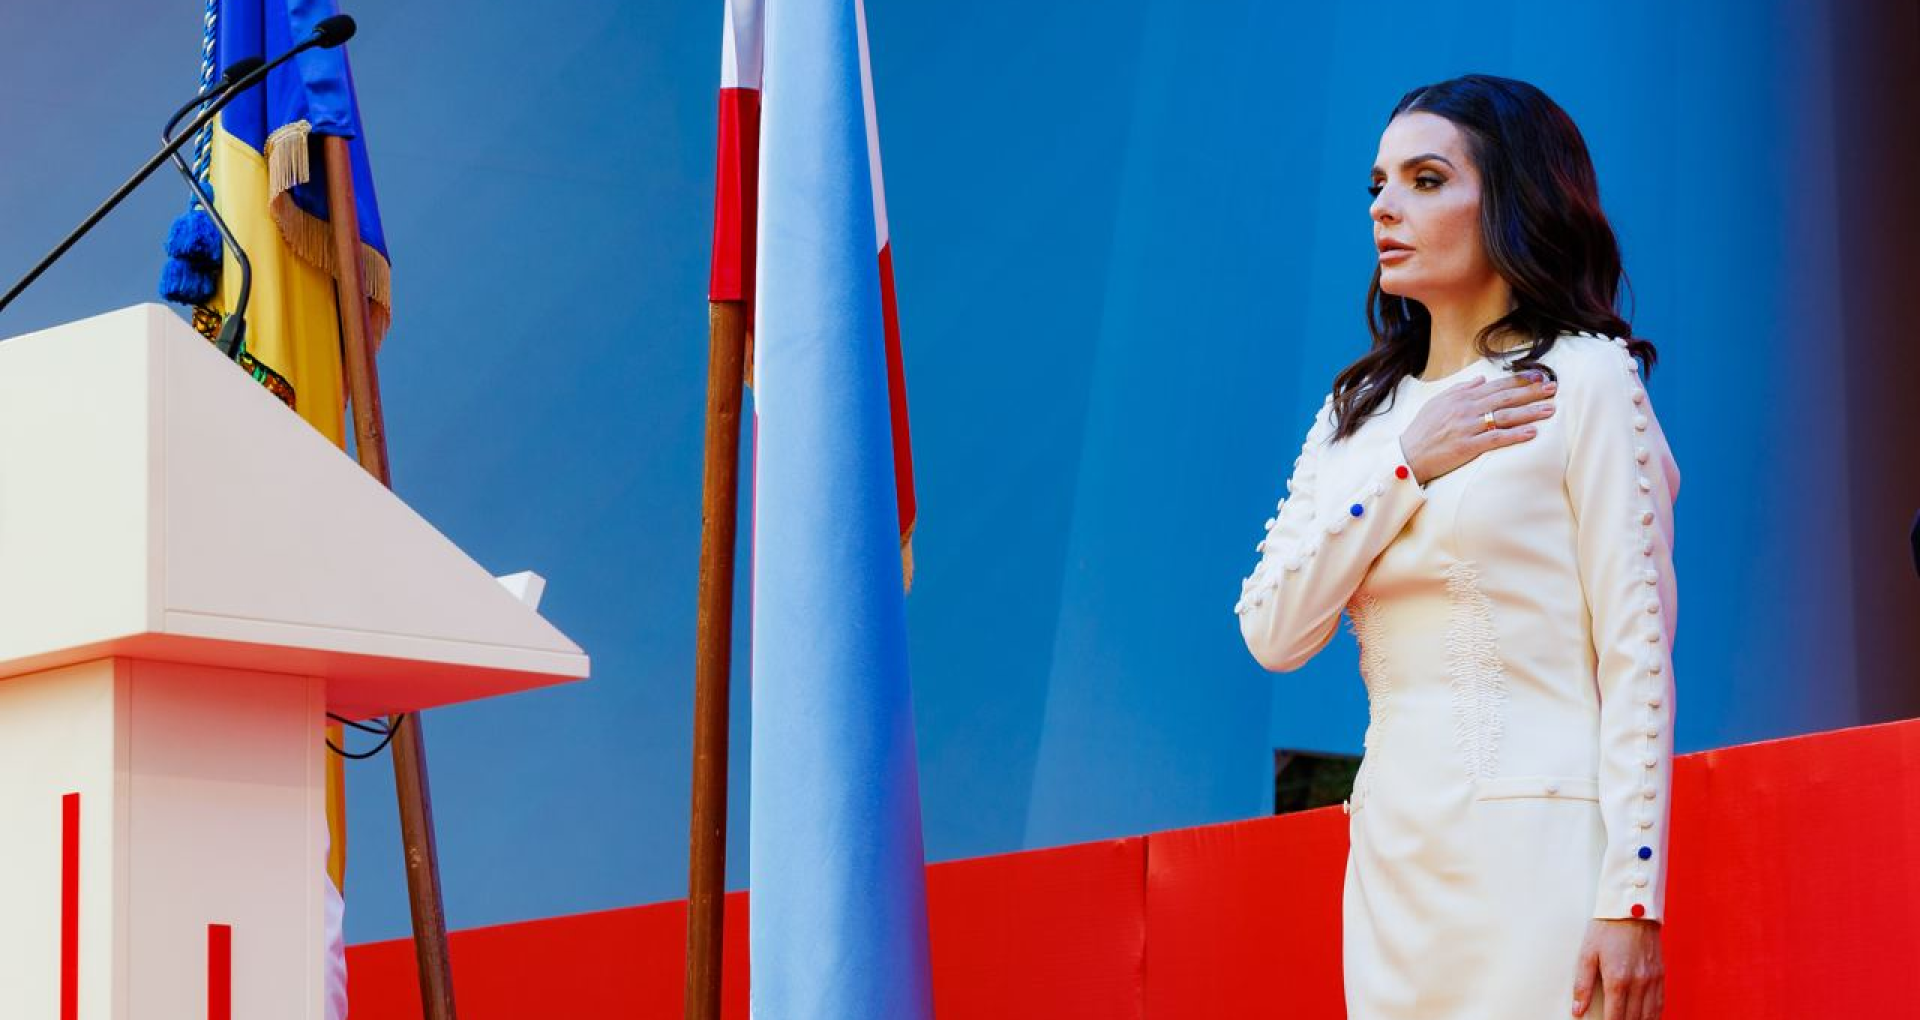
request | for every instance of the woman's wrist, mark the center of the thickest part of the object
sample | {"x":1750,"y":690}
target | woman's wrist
{"x":1407,"y":458}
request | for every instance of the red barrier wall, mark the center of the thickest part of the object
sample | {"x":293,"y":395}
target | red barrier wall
{"x":1244,"y":919}
{"x":611,"y":963}
{"x":1795,"y":893}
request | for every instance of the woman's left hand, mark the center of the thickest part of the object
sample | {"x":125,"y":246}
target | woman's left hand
{"x":1624,"y":955}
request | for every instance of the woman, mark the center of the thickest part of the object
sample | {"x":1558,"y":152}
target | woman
{"x":1489,"y":496}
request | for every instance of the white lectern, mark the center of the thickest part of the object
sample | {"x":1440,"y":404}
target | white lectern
{"x":190,"y":576}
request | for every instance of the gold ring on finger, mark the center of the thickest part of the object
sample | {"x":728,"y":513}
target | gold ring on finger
{"x":1488,"y":419}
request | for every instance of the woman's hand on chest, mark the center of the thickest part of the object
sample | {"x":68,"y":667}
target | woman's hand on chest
{"x":1467,"y":419}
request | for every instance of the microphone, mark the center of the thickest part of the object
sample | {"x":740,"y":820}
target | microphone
{"x":326,"y":34}
{"x":332,"y":31}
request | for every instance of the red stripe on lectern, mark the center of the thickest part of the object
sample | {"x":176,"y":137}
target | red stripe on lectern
{"x":219,"y":972}
{"x":70,"y":907}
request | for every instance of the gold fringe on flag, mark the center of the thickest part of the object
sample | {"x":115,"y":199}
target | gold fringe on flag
{"x":308,"y":236}
{"x":906,"y":556}
{"x":287,"y":157}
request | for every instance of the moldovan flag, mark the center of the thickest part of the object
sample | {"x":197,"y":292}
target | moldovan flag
{"x":838,"y":927}
{"x":736,"y":183}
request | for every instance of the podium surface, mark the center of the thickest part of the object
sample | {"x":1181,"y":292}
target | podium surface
{"x":193,"y":577}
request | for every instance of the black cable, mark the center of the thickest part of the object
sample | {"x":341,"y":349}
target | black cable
{"x":390,"y":731}
{"x":378,"y":730}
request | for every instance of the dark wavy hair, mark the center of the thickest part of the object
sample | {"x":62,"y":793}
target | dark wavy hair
{"x":1541,"y":222}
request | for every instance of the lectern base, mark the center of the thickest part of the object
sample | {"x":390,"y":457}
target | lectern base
{"x":159,"y":841}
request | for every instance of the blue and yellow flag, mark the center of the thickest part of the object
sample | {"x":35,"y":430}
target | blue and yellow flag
{"x":261,"y":160}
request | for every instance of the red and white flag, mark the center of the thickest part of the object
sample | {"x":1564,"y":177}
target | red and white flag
{"x":737,"y":179}
{"x":736,"y":198}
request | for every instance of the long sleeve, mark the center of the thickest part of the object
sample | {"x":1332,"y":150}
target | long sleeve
{"x":1621,"y":482}
{"x":1311,"y":562}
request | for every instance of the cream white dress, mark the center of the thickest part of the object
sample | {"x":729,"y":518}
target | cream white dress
{"x":1515,"y":619}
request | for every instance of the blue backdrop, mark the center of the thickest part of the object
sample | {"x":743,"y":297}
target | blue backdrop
{"x":1132,"y":245}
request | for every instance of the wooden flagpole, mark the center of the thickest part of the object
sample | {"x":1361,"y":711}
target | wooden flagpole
{"x":707,"y":853}
{"x":370,"y":443}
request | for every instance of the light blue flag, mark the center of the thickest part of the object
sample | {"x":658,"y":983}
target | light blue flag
{"x":838,"y":923}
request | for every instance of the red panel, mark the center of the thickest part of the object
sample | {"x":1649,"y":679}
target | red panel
{"x":629,"y":962}
{"x":1053,"y":934}
{"x":1795,"y":882}
{"x":219,"y":972}
{"x":70,"y":907}
{"x":1244,"y":919}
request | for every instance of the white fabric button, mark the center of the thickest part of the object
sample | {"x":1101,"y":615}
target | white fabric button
{"x":1293,"y":563}
{"x":1260,"y":546}
{"x":1646,"y":546}
{"x":1653,"y":637}
{"x":1553,"y":789}
{"x":1640,"y":423}
{"x":1639,"y":394}
{"x":1653,"y":701}
{"x":1378,"y":488}
{"x":1640,"y":455}
{"x":1646,"y":484}
{"x":1649,"y":791}
{"x":1652,"y":729}
{"x":1655,"y":667}
{"x":1339,"y":525}
{"x":1639,"y":878}
{"x":1653,"y":606}
{"x":1645,"y":823}
{"x":1271,"y":521}
{"x":1650,"y":575}
{"x":1650,"y":761}
{"x":1646,"y":517}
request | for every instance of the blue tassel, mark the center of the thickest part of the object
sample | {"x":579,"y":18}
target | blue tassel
{"x":194,"y":238}
{"x":188,"y":283}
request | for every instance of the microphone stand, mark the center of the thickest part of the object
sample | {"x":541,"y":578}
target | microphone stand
{"x":233,"y":330}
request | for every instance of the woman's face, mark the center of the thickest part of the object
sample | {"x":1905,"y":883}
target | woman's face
{"x":1426,"y":212}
